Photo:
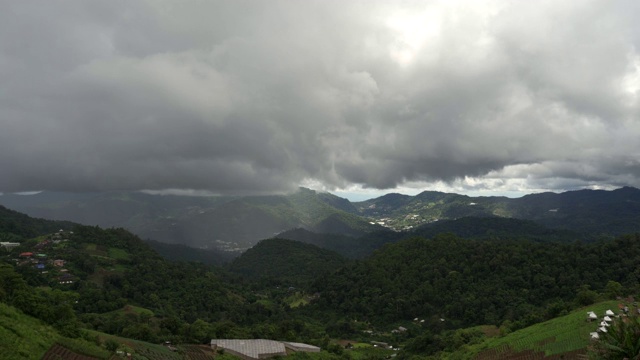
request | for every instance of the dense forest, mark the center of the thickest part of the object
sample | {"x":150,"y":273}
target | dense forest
{"x":474,"y":282}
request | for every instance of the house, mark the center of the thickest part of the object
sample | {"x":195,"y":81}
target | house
{"x":380,"y":344}
{"x":254,"y":349}
{"x":58,"y":263}
{"x":26,"y":254}
{"x":591,"y":316}
{"x":609,"y":312}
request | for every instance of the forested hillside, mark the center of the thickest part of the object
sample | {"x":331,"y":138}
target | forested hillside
{"x":474,"y":282}
{"x":112,"y":282}
{"x":292,"y":261}
{"x":15,"y":226}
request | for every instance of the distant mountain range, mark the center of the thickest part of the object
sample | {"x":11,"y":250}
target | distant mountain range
{"x":237,"y":223}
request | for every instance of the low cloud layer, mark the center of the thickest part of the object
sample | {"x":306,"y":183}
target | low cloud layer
{"x":263,"y":96}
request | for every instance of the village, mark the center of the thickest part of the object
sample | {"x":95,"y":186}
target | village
{"x":45,"y":258}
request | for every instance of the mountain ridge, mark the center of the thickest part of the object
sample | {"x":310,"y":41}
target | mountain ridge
{"x":234,"y":223}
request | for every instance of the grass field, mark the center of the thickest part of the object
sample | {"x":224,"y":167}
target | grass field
{"x":141,"y":350}
{"x":563,"y":335}
{"x":118,"y":254}
{"x":23,"y":337}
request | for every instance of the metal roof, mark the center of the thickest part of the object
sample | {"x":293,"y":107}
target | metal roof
{"x":253,"y":348}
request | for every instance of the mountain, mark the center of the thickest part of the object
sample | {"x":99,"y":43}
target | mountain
{"x":403,"y":212}
{"x":234,"y":224}
{"x":287,"y":260}
{"x":496,"y":228}
{"x":231,"y":224}
{"x":588,"y":212}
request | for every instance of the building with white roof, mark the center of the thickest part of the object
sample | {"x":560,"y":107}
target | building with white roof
{"x":254,"y":349}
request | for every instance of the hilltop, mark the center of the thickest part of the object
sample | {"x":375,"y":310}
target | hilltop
{"x":292,"y":261}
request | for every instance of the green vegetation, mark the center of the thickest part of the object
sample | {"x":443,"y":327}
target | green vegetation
{"x":118,"y":254}
{"x":24,"y":337}
{"x":290,"y":261}
{"x":443,"y":297}
{"x":139,"y":349}
{"x":557,"y":336}
{"x":474,"y":282}
{"x":16,"y":227}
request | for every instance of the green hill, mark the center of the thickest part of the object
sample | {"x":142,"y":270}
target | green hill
{"x":287,"y":260}
{"x":347,"y":246}
{"x":475,"y":282}
{"x":15,"y":226}
{"x":591,"y":213}
{"x":24,"y":337}
{"x":565,"y":337}
{"x":496,"y":228}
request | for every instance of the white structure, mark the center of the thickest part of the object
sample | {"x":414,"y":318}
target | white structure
{"x":609,"y":312}
{"x":300,"y":347}
{"x":607,"y":319}
{"x":254,"y":349}
{"x":591,"y":315}
{"x":602,"y":329}
{"x":9,"y":245}
{"x":595,"y":335}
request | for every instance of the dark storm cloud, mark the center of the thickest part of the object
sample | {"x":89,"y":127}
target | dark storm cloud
{"x":252,"y":96}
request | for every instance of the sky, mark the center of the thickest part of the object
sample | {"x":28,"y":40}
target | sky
{"x":358,"y":98}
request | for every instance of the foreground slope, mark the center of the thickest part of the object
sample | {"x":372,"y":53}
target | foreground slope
{"x":24,"y":337}
{"x":565,"y":337}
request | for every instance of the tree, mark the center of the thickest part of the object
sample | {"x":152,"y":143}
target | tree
{"x":613,"y":289}
{"x":111,"y":345}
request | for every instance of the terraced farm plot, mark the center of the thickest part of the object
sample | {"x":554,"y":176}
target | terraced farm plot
{"x":197,"y":352}
{"x":57,"y":352}
{"x":142,"y":350}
